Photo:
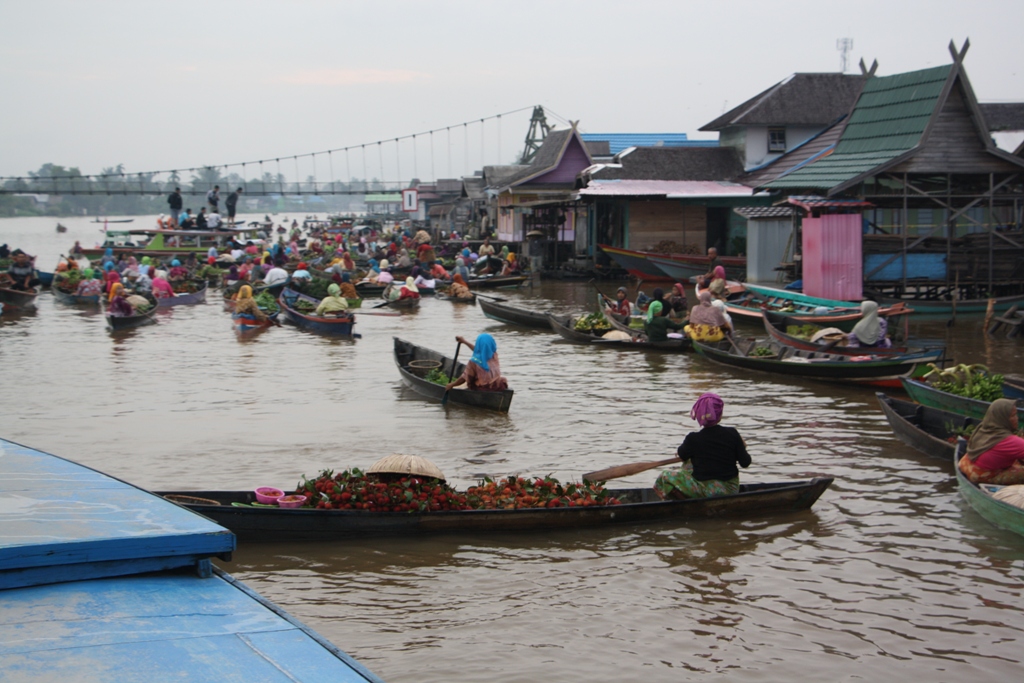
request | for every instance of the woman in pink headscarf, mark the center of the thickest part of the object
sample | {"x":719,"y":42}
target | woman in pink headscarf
{"x":162,"y":289}
{"x":718,"y":283}
{"x":714,"y":452}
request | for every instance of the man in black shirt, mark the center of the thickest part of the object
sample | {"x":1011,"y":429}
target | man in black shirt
{"x":232,"y":204}
{"x":174,"y":201}
{"x":201,"y":219}
{"x":714,"y":452}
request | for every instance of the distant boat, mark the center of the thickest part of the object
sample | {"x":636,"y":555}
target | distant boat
{"x":61,"y":228}
{"x":114,"y":220}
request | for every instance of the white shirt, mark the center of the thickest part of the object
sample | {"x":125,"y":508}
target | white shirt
{"x":213,"y":220}
{"x":212,"y":252}
{"x":421,"y":281}
{"x":276,"y":276}
{"x":237,"y":254}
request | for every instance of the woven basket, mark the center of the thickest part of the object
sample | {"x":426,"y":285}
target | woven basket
{"x":406,"y":464}
{"x":422,"y":368}
{"x":190,"y":500}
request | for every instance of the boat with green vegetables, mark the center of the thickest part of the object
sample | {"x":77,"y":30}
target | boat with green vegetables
{"x":416,"y":365}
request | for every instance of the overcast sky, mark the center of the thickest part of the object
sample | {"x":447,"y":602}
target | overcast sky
{"x":160,"y":85}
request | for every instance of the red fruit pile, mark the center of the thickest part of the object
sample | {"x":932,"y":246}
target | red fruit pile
{"x":511,"y":493}
{"x":355,"y":490}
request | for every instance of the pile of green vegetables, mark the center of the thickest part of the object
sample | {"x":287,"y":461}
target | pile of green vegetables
{"x":969,"y":381}
{"x":762,"y":351}
{"x":68,"y":282}
{"x":802,"y":331}
{"x":437,"y":376}
{"x":316,"y":288}
{"x":305,"y":306}
{"x":266,"y":302}
{"x":592,"y":322}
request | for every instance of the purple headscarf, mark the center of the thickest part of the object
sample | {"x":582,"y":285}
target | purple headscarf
{"x":707,"y":411}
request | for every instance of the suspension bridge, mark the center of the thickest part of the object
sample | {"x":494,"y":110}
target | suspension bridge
{"x":448,"y":152}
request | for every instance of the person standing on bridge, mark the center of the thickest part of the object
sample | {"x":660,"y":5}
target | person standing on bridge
{"x":175,"y":203}
{"x":213,"y":198}
{"x":231,"y":204}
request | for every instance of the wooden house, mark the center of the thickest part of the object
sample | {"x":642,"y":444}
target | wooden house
{"x":945,"y":201}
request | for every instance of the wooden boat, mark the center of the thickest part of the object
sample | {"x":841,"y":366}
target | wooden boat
{"x":113,"y":220}
{"x":186,"y":298}
{"x":513,"y":315}
{"x":941,"y":309}
{"x":471,"y":300}
{"x":755,"y":300}
{"x":247,"y":323}
{"x":979,"y":497}
{"x":17,"y":299}
{"x":639,"y":506}
{"x":338,"y":325}
{"x":496,"y":281}
{"x":925,"y":394}
{"x":75,"y":300}
{"x":831,"y":367}
{"x":45,"y":279}
{"x":368,"y":290}
{"x":565,"y":327}
{"x":116,"y":323}
{"x":685,"y":267}
{"x":775,"y":325}
{"x":407,"y":352}
{"x":929,"y":430}
{"x":637,"y":264}
{"x":62,"y":228}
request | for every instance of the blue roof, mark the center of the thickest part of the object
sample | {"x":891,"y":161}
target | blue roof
{"x":620,"y":141}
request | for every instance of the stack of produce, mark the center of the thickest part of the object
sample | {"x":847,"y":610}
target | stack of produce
{"x":592,"y":322}
{"x":184,"y":287}
{"x":69,"y":281}
{"x":266,"y":302}
{"x":355,"y":490}
{"x":970,"y":381}
{"x":437,"y":376}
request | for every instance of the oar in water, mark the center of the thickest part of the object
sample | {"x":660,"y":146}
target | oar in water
{"x":455,"y":364}
{"x":627,"y":470}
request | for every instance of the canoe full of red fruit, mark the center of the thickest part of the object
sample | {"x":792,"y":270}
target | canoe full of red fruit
{"x":236,"y":511}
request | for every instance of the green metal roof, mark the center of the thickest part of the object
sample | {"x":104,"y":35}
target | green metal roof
{"x":388,"y":198}
{"x":888,"y":120}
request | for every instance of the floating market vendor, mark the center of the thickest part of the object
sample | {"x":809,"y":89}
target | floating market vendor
{"x":385,"y":277}
{"x":118,"y":305}
{"x":177,"y":272}
{"x":676,"y":301}
{"x":333,"y":302}
{"x":245,"y":304}
{"x":141,"y":283}
{"x":403,"y":259}
{"x":22,"y":272}
{"x":407,"y":291}
{"x":302,"y":272}
{"x":461,"y":269}
{"x":425,"y":281}
{"x":89,"y":285}
{"x":162,"y":289}
{"x":486,"y":249}
{"x":459,"y":289}
{"x":483,"y":371}
{"x":348,"y":290}
{"x":620,"y":307}
{"x":275,"y":276}
{"x":714,"y":452}
{"x":657,"y":323}
{"x":871,"y":329}
{"x":110,"y":276}
{"x":718,"y":283}
{"x":713,"y":262}
{"x":995,"y":454}
{"x":707,"y":323}
{"x":145,"y":266}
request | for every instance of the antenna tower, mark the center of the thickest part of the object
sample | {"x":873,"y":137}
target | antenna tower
{"x":844,"y":45}
{"x":539,"y":129}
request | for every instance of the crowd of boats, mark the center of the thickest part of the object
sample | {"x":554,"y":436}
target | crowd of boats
{"x":804,"y":337}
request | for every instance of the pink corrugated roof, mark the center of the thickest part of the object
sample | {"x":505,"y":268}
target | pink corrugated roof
{"x":672,"y":189}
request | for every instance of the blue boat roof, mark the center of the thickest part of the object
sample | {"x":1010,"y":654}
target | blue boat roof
{"x":620,"y":141}
{"x":160,"y":627}
{"x":61,"y":521}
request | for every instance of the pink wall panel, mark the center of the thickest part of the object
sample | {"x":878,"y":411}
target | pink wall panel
{"x":832,"y":260}
{"x":573,"y":161}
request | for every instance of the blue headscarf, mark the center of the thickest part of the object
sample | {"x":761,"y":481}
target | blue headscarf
{"x":466,"y":252}
{"x":109,"y":253}
{"x":175,"y":263}
{"x":373,"y":265}
{"x":108,"y":266}
{"x":483,"y":350}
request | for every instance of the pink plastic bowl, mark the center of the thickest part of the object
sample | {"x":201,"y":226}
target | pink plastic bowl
{"x":293,"y":501}
{"x":268,"y":495}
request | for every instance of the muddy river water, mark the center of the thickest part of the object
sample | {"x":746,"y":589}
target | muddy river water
{"x":889,"y":576}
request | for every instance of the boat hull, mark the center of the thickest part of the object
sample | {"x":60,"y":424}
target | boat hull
{"x":188,"y":299}
{"x":927,"y":395}
{"x":995,"y":512}
{"x":15,"y":299}
{"x":682,"y":268}
{"x":922,"y":427}
{"x":75,"y":300}
{"x":496,"y":281}
{"x":644,"y":507}
{"x":512,"y":315}
{"x":247,"y":323}
{"x":775,"y":324}
{"x":636,"y":264}
{"x":887,"y":372}
{"x":931,"y":311}
{"x":340,"y":326}
{"x":406,"y":352}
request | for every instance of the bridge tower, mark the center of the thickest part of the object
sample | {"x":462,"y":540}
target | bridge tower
{"x":539,"y":128}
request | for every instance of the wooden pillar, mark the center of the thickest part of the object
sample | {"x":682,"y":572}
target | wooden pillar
{"x":991,"y":228}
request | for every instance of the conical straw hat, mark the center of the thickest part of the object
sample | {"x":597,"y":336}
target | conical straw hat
{"x":406,"y":464}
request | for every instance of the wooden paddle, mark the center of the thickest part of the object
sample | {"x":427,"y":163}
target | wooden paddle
{"x":455,"y":364}
{"x":627,"y":470}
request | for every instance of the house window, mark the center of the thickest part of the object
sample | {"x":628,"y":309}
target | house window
{"x":776,"y":139}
